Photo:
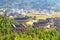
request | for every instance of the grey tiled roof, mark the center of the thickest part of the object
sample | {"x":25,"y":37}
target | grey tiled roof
{"x":18,"y":26}
{"x":22,"y":19}
{"x":42,"y":22}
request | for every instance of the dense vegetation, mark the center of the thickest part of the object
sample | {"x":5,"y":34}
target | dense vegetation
{"x":34,"y":34}
{"x":5,"y":26}
{"x":30,"y":34}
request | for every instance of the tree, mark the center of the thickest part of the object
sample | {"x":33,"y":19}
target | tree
{"x":34,"y":18}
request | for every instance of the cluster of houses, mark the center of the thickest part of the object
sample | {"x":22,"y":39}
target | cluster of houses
{"x":48,"y":23}
{"x":12,"y":13}
{"x":24,"y":21}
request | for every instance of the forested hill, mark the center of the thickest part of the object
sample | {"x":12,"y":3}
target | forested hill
{"x":34,"y":4}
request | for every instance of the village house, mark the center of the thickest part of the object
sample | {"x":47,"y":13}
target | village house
{"x":24,"y":20}
{"x":54,"y":22}
{"x":18,"y":27}
{"x":57,"y":22}
{"x":41,"y":23}
{"x":51,"y":21}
